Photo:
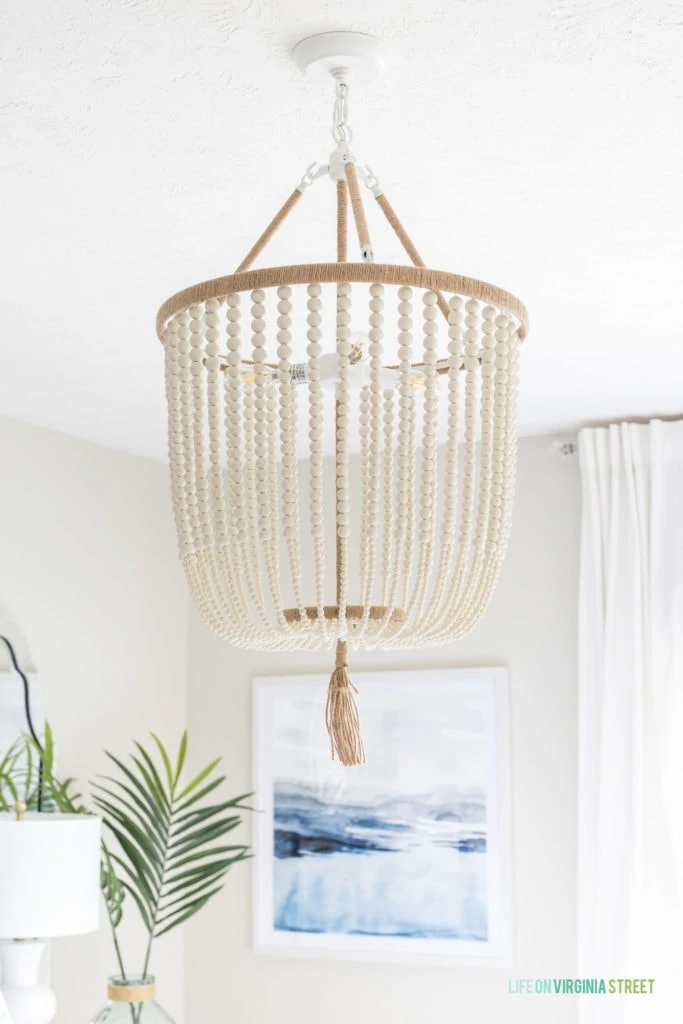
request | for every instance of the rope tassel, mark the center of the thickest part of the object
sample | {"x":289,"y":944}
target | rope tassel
{"x":343,"y":723}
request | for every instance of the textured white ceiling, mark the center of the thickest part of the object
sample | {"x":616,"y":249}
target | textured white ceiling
{"x":144,"y":143}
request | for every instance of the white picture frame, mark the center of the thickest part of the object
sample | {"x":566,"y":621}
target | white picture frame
{"x":415,"y":725}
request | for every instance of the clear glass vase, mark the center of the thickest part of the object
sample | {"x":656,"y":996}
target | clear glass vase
{"x":132,"y":1002}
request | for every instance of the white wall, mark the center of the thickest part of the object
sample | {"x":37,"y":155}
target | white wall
{"x":88,"y":571}
{"x":530,"y":626}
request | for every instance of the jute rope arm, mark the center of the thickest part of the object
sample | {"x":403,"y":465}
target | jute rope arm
{"x":358,"y":213}
{"x":407,"y":243}
{"x":261,"y":242}
{"x":342,"y":221}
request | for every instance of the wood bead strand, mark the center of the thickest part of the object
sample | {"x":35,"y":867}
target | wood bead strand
{"x":212,"y":582}
{"x":510,"y":460}
{"x":204,"y":533}
{"x":187,"y":421}
{"x":403,"y":487}
{"x":376,"y":335}
{"x":388,"y":496}
{"x":175,"y":436}
{"x":214,"y":416}
{"x":232,"y":386}
{"x":496,"y":353}
{"x":288,"y":432}
{"x":471,"y":364}
{"x":428,"y":488}
{"x":364,"y":437}
{"x":259,"y":424}
{"x":342,"y":518}
{"x":224,"y":570}
{"x":504,"y":475}
{"x":439,"y":601}
{"x":500,"y":505}
{"x":454,"y":613}
{"x":272,"y":502}
{"x":253,"y":446}
{"x":316,"y":427}
{"x":408,"y":448}
{"x":486,"y":448}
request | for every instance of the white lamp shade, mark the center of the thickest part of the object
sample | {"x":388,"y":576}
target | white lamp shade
{"x":49,"y":875}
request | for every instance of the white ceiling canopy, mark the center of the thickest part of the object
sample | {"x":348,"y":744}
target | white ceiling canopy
{"x":144,"y":144}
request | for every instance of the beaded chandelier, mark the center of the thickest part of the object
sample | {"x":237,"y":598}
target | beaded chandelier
{"x":398,"y":541}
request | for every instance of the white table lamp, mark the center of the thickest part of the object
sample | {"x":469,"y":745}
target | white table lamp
{"x":49,"y":886}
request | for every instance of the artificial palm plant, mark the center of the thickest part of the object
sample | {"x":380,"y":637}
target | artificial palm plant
{"x":165,"y":845}
{"x":171,"y":858}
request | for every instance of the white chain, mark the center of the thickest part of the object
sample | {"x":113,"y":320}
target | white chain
{"x":341,"y":132}
{"x":342,"y":135}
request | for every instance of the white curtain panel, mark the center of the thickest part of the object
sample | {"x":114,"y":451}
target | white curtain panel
{"x":631,"y":719}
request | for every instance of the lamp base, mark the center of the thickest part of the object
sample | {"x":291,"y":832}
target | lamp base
{"x":28,"y":1000}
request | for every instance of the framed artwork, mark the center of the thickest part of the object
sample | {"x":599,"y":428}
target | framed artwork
{"x":404,"y":858}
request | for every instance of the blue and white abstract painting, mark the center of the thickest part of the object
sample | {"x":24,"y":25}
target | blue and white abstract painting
{"x":404,"y":856}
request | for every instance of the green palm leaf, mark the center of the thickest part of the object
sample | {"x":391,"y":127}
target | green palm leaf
{"x":9,"y":793}
{"x":165,"y":758}
{"x":189,"y":912}
{"x":112,"y":888}
{"x":199,"y":778}
{"x":147,"y":822}
{"x":201,"y":794}
{"x":169,"y":839}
